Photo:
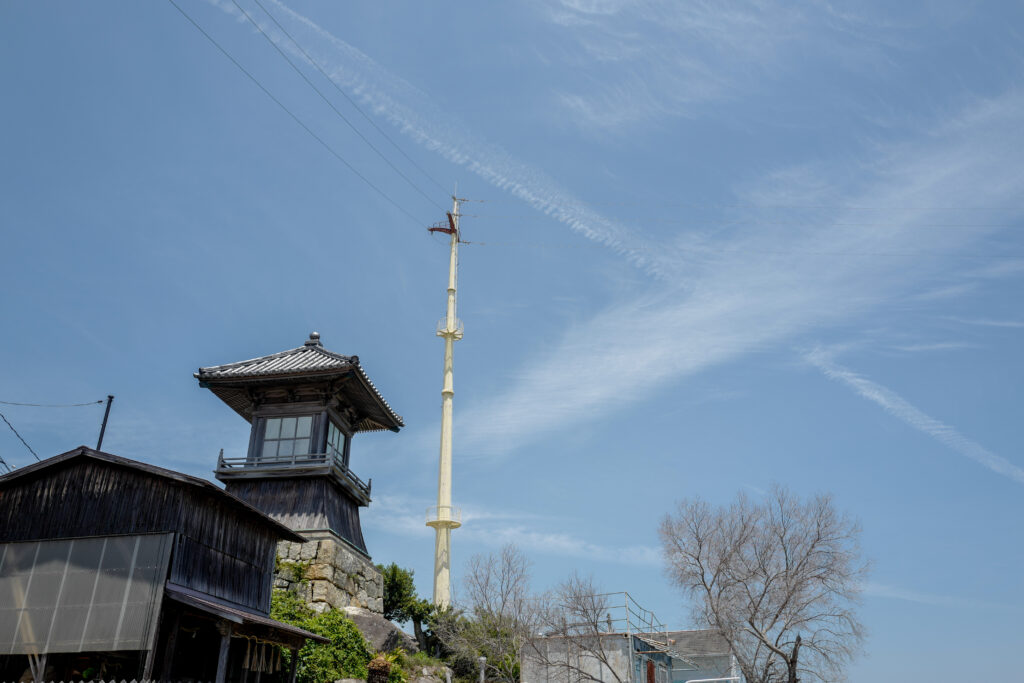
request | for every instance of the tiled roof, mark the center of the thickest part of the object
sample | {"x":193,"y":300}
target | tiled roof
{"x":309,"y":359}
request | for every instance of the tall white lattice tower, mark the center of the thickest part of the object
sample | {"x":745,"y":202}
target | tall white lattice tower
{"x":443,"y":517}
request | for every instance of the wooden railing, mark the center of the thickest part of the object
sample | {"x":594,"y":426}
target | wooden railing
{"x":297,"y":461}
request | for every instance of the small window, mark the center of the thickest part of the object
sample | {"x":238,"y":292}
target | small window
{"x":287,"y":436}
{"x":336,"y":442}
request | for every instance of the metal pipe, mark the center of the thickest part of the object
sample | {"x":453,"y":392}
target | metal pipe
{"x":629,"y":642}
{"x":103,"y":427}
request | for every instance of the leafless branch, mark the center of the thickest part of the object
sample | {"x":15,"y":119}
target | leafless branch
{"x":779,"y":578}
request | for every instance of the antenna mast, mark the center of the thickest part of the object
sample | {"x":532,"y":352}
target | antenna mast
{"x":444,"y":517}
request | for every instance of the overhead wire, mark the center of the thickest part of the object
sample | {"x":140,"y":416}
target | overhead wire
{"x":740,"y":205}
{"x":319,"y":68}
{"x":758,"y":223}
{"x":713,"y":226}
{"x":50,"y":405}
{"x":329,"y":103}
{"x":294,"y":117}
{"x":19,"y":436}
{"x":710,"y":252}
{"x":351,"y":101}
{"x":719,"y":252}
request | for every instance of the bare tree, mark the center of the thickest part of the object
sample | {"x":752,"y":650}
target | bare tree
{"x":500,"y":615}
{"x":779,"y":578}
{"x":499,"y":584}
{"x":577,"y":639}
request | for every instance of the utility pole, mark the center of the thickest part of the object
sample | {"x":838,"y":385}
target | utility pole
{"x":444,"y":517}
{"x":103,"y":427}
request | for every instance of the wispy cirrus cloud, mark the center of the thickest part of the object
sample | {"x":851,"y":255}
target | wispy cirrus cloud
{"x":664,"y":58}
{"x":898,"y":407}
{"x":934,"y":346}
{"x":753,"y":289}
{"x":990,"y":322}
{"x":566,"y":545}
{"x":720,"y":296}
{"x":417,"y":116}
{"x":886,"y":591}
{"x":495,"y":528}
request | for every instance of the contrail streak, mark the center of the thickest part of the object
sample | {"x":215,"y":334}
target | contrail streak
{"x":416,"y":115}
{"x":898,"y":407}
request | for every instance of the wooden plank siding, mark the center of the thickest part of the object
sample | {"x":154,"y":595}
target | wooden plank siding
{"x":222,"y":549}
{"x":304,"y":504}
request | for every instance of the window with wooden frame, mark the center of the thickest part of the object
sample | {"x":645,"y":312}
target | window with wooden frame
{"x":284,"y":437}
{"x":337,"y":444}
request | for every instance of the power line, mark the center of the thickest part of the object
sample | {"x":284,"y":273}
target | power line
{"x":758,"y":223}
{"x":293,"y":116}
{"x":350,"y":100}
{"x":51,"y":405}
{"x":331,"y":104}
{"x":738,"y":205}
{"x":18,"y":435}
{"x":4,"y":463}
{"x":710,"y":252}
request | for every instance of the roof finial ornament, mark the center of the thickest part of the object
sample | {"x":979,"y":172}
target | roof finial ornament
{"x":314,"y":339}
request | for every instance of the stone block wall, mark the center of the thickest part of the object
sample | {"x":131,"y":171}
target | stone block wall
{"x":336,"y":576}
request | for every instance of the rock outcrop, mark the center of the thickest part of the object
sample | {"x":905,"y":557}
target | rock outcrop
{"x":380,"y":633}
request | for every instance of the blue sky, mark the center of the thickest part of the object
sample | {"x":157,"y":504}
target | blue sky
{"x":719,"y":245}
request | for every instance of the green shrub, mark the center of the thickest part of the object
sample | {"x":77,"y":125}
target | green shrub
{"x":348,"y":653}
{"x":345,"y":656}
{"x":286,"y":606}
{"x":419,"y":659}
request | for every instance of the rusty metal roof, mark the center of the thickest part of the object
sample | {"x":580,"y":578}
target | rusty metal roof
{"x":309,"y":360}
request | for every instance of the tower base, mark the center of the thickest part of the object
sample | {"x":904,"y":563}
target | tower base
{"x":328,"y":573}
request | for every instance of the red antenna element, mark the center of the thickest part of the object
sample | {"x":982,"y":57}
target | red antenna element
{"x":450,"y":229}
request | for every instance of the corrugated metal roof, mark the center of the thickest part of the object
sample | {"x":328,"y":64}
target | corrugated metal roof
{"x":310,"y":358}
{"x":699,"y":642}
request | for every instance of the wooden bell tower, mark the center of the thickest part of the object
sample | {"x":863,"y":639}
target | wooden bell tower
{"x":304,"y":406}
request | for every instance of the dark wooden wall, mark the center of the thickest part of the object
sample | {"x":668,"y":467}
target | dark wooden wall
{"x":303,"y":504}
{"x":221,"y":549}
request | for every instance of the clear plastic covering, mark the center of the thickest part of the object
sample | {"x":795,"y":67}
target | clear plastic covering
{"x":81,"y":594}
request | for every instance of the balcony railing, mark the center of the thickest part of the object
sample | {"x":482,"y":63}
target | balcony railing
{"x":296,"y":462}
{"x":444,"y":515}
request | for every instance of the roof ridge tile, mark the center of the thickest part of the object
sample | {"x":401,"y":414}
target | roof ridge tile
{"x":311,"y":358}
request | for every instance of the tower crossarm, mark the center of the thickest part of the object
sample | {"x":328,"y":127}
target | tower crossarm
{"x":455,"y":331}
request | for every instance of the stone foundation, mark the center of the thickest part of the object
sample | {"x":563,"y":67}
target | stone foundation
{"x":336,"y":576}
